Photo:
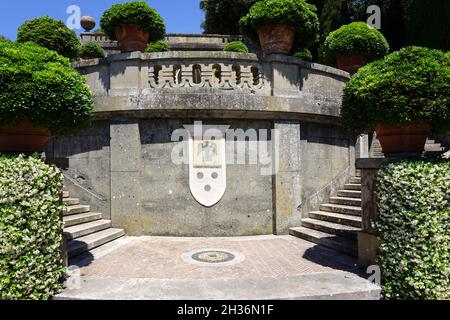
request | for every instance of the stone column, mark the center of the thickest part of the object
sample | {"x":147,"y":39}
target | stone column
{"x":368,"y":240}
{"x":286,"y":184}
{"x":125,"y":175}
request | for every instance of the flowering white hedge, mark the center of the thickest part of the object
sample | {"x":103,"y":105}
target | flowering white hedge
{"x":30,"y":229}
{"x":414,"y":226}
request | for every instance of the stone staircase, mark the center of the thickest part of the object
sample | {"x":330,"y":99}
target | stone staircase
{"x":337,"y":223}
{"x":431,"y":147}
{"x":83,"y":229}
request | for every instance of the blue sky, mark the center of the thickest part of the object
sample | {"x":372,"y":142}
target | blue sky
{"x":181,"y":16}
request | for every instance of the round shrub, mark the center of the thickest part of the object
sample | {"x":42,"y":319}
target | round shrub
{"x":51,"y":34}
{"x":130,"y":13}
{"x":92,"y":50}
{"x":31,"y":265}
{"x":414,"y":228}
{"x":297,"y":13}
{"x":236,"y":46}
{"x":408,"y":86}
{"x":304,"y":54}
{"x":41,"y":86}
{"x":158,"y":46}
{"x":356,"y":38}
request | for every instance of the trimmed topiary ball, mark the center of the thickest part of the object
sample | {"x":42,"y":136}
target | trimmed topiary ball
{"x":236,"y":46}
{"x":51,"y":34}
{"x":91,"y":50}
{"x":158,"y":46}
{"x":304,"y":54}
{"x":39,"y":85}
{"x":130,"y":13}
{"x":408,"y":86}
{"x":296,"y":13}
{"x":356,"y":38}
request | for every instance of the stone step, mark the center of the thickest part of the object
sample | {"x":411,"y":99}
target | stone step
{"x":80,"y":218}
{"x":358,"y":172}
{"x":345,"y":219}
{"x":332,"y":228}
{"x":71,"y":201}
{"x":349,"y":194}
{"x":84,"y":229}
{"x":65,"y":194}
{"x":434,"y":148}
{"x":337,"y":243}
{"x":94,"y":240}
{"x":338,"y":208}
{"x":356,"y":180}
{"x":346,"y":201}
{"x":352,"y":186}
{"x":79,"y":208}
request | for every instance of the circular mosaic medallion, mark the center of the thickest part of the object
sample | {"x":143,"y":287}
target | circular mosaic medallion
{"x":213,"y":257}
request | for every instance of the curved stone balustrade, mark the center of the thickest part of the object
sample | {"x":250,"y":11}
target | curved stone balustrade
{"x":222,"y":84}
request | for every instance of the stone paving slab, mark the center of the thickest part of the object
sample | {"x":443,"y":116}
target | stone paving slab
{"x":264,"y":267}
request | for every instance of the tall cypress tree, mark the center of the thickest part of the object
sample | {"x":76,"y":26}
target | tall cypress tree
{"x":222,"y":16}
{"x":333,"y":15}
{"x":429,"y":24}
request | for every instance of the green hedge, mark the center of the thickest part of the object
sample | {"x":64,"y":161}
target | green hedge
{"x":40,"y":85}
{"x":414,"y":226}
{"x":297,"y":13}
{"x":356,"y":38}
{"x":158,"y":46}
{"x":129,"y":13}
{"x":92,"y":50}
{"x":236,"y":46}
{"x":30,"y":229}
{"x":304,"y":54}
{"x":408,"y":86}
{"x":50,"y":34}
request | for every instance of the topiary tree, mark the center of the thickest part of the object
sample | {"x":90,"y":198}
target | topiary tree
{"x":222,"y":16}
{"x":296,"y":13}
{"x":51,"y":34}
{"x":91,"y":50}
{"x":39,"y":85}
{"x":236,"y":46}
{"x":356,"y":38}
{"x":408,"y":86}
{"x":130,"y":13}
{"x":158,"y":46}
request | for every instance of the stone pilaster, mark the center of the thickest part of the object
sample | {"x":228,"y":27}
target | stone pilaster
{"x":125,"y":175}
{"x":368,"y":240}
{"x":287,"y":174}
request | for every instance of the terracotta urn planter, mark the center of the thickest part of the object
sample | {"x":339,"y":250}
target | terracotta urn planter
{"x":23,"y":137}
{"x":352,"y":63}
{"x":276,"y":39}
{"x":131,"y":38}
{"x":406,"y":139}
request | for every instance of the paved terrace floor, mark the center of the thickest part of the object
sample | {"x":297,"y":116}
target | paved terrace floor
{"x":261,"y":267}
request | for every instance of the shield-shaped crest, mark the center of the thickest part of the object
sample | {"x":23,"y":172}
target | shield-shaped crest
{"x":207,"y":163}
